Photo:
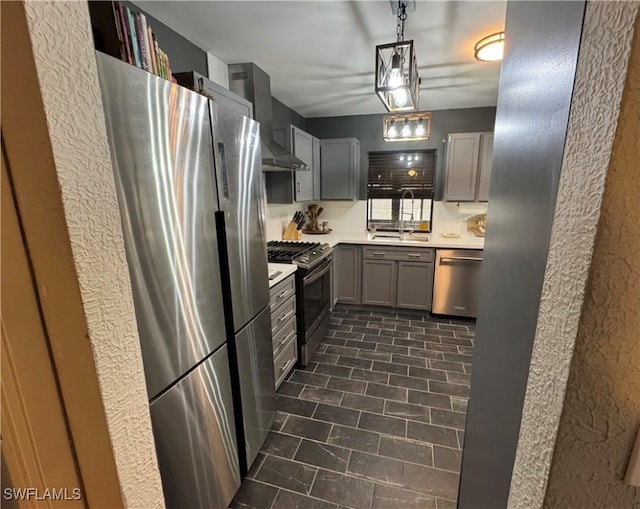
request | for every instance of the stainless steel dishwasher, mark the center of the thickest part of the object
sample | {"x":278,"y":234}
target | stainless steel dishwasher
{"x":456,"y":282}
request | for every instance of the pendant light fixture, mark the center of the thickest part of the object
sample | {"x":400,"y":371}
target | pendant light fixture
{"x":406,"y":126}
{"x":397,"y":81}
{"x":490,"y":48}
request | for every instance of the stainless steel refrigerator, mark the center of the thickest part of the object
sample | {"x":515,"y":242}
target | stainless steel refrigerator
{"x":189,"y":182}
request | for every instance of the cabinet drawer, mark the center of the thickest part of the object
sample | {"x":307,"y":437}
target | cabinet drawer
{"x":378,"y":253}
{"x":285,"y":360}
{"x":281,"y":292}
{"x":283,"y":314}
{"x":399,"y":253}
{"x":420,"y":254}
{"x":283,"y":336}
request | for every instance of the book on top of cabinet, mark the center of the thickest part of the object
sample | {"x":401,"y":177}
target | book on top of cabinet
{"x":123,"y":33}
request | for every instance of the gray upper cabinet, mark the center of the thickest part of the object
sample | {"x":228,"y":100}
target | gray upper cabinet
{"x":484,"y":170}
{"x":301,"y":144}
{"x":316,"y":169}
{"x":462,"y":167}
{"x":297,"y":186}
{"x":468,"y":166}
{"x":218,"y":93}
{"x":339,"y":168}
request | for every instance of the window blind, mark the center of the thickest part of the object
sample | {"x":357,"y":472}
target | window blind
{"x":392,"y":172}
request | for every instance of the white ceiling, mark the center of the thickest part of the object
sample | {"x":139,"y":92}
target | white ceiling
{"x":320,"y":54}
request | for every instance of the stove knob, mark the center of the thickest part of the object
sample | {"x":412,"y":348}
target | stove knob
{"x":304,"y":258}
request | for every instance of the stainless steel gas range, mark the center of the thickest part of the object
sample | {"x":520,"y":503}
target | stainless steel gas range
{"x":313,"y":289}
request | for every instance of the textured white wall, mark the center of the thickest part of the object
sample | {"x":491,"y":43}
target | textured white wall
{"x":602,"y":67}
{"x":65,"y":62}
{"x":602,"y":407}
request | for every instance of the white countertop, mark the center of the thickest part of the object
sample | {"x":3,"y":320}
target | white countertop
{"x":436,"y":240}
{"x":286,"y":270}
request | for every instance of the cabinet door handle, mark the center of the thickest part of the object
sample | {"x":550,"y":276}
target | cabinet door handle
{"x":414,"y":255}
{"x":282,"y":294}
{"x":379,"y":253}
{"x":284,"y":317}
{"x":298,"y":186}
{"x":286,"y":365}
{"x":284,"y":340}
{"x":461,"y":258}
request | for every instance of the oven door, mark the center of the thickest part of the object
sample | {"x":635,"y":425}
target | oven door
{"x":316,"y":297}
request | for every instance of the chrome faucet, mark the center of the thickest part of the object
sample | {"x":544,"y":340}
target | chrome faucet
{"x":404,"y":193}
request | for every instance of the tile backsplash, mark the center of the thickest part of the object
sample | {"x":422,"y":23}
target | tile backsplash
{"x":451,"y":217}
{"x":342,"y":216}
{"x":351,"y":216}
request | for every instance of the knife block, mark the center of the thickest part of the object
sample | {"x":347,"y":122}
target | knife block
{"x":291,"y":232}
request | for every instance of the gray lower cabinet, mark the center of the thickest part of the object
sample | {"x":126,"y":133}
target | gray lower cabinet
{"x":397,"y":277}
{"x":339,"y":169}
{"x":415,"y":285}
{"x":347,"y":273}
{"x":283,"y":328}
{"x":379,"y":282}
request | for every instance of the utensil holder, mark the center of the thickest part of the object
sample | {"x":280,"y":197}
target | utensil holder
{"x":291,"y":232}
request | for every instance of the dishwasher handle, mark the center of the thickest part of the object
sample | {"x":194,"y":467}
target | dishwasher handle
{"x":460,"y":258}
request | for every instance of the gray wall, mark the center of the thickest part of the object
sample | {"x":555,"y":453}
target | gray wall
{"x":283,"y":115}
{"x":536,"y":86}
{"x":368,"y":129}
{"x":183,"y":54}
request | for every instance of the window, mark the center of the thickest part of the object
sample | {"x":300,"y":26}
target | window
{"x":400,"y":187}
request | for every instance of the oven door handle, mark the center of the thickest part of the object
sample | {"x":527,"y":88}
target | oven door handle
{"x":315,"y":275}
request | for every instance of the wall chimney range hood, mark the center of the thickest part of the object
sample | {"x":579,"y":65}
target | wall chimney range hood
{"x":249,"y":81}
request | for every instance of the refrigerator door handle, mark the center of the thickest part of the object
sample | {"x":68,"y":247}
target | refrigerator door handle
{"x":223,"y":171}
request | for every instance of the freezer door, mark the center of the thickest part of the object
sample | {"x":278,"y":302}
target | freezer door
{"x":195,"y":436}
{"x":257,"y":385}
{"x":162,"y":156}
{"x":241,"y":193}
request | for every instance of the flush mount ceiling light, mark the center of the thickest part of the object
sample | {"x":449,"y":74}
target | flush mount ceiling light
{"x":490,"y":48}
{"x":397,"y":81}
{"x":406,"y":127}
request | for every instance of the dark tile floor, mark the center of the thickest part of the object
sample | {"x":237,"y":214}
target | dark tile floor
{"x":375,"y":421}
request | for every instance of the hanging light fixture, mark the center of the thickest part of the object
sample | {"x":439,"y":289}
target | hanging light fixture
{"x":397,"y":81}
{"x":406,"y":127}
{"x":406,"y":130}
{"x":490,"y":48}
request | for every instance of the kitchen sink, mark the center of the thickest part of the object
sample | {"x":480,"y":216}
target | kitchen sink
{"x":385,"y":236}
{"x":408,"y":237}
{"x":415,"y":237}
